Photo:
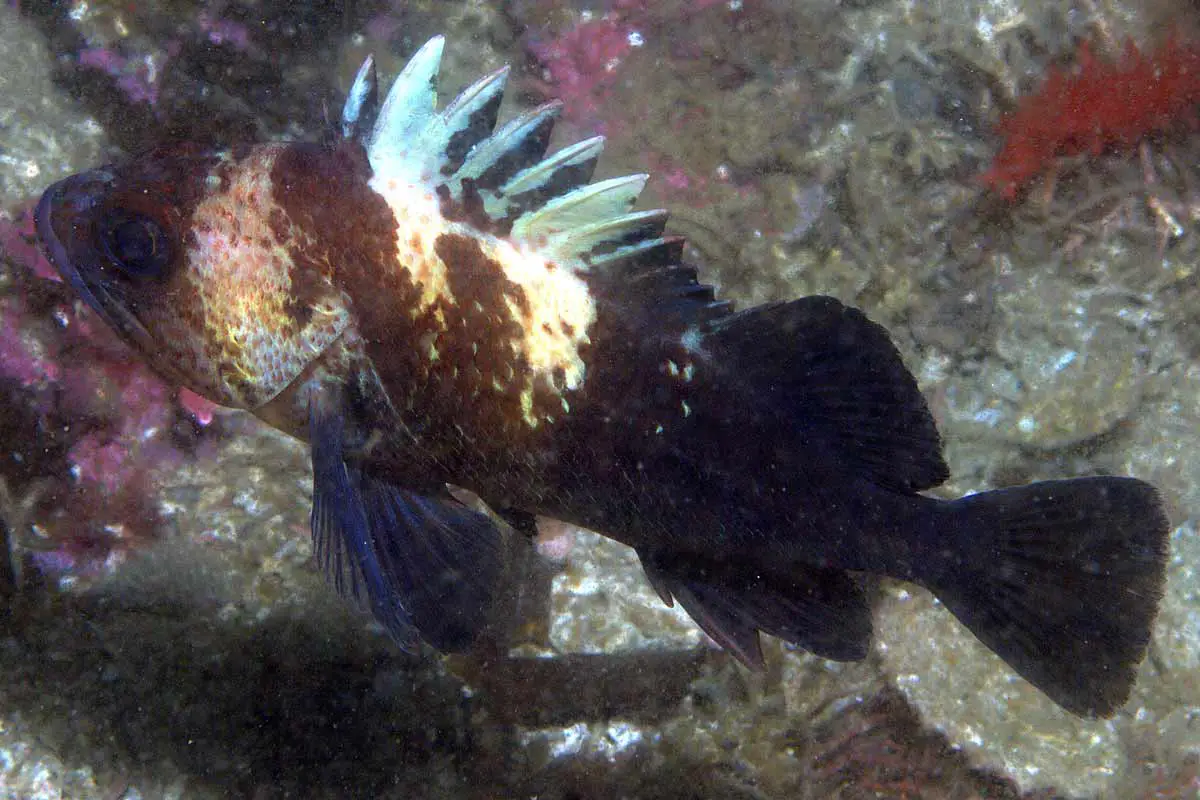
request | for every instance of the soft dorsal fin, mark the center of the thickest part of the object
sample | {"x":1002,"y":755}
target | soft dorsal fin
{"x":839,"y":379}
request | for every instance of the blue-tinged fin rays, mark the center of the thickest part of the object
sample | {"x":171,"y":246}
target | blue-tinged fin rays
{"x":426,"y":567}
{"x":503,"y":174}
{"x":362,"y":101}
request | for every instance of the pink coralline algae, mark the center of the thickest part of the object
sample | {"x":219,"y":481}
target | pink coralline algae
{"x":582,"y":63}
{"x":138,"y":78}
{"x":22,"y":360}
{"x":139,"y":68}
{"x":222,"y":31}
{"x":87,"y":429}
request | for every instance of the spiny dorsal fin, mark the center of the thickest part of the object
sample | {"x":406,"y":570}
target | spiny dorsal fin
{"x":520,"y":142}
{"x":501,"y":180}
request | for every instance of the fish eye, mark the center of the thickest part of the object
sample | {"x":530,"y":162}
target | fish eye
{"x":136,"y":244}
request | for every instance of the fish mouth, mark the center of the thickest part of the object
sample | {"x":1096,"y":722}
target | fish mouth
{"x":65,"y":223}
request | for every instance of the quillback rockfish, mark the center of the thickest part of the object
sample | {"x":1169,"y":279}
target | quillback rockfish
{"x":433,"y":302}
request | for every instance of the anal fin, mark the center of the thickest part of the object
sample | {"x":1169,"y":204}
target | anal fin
{"x":425,"y":567}
{"x":821,"y":610}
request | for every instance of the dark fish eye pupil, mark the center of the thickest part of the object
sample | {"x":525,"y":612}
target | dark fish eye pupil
{"x":137,"y":245}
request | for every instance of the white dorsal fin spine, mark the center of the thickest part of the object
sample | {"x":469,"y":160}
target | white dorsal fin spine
{"x":362,"y":101}
{"x":614,"y":232}
{"x":631,"y":250}
{"x":408,"y":109}
{"x":541,"y":173}
{"x":571,"y":166}
{"x":471,"y":115}
{"x":513,"y":135}
{"x":476,"y":96}
{"x":542,"y":202}
{"x":596,"y":202}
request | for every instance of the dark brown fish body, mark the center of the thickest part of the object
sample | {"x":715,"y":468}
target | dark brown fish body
{"x":663,"y":441}
{"x":435,"y":304}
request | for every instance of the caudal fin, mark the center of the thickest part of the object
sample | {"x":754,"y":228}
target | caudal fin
{"x":1062,"y":579}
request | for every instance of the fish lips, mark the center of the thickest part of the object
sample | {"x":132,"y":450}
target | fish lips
{"x":65,"y":221}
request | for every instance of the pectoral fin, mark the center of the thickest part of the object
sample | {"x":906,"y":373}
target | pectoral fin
{"x":425,"y":567}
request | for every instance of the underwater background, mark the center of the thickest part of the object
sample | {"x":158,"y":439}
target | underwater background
{"x":164,"y":633}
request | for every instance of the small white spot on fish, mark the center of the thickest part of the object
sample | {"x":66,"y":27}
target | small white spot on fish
{"x":691,"y":339}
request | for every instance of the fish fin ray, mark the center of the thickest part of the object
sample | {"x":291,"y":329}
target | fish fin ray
{"x":821,"y":610}
{"x":836,"y":380}
{"x":1062,"y":580}
{"x":468,"y":120}
{"x":591,"y":213}
{"x":553,"y":176}
{"x":410,"y":107}
{"x":618,"y":236}
{"x":650,"y":254}
{"x":425,"y":567}
{"x":362,"y":102}
{"x":649,"y":280}
{"x":331,"y":552}
{"x":447,"y":557}
{"x":519,"y":143}
{"x":501,"y":180}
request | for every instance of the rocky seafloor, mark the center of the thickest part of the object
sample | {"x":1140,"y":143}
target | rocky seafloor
{"x":815,"y":147}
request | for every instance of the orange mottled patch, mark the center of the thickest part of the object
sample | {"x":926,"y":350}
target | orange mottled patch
{"x":240,"y":264}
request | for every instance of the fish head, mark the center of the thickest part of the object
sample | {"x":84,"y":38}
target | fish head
{"x":188,"y":256}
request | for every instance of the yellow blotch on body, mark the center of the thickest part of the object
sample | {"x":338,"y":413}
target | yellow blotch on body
{"x":558,"y":309}
{"x":243,"y":277}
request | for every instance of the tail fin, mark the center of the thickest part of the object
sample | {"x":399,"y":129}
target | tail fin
{"x":1062,"y":580}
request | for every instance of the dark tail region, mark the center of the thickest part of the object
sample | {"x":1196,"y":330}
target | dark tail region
{"x":1062,"y":579}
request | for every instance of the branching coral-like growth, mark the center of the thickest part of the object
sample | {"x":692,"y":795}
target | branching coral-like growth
{"x":1096,"y":106}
